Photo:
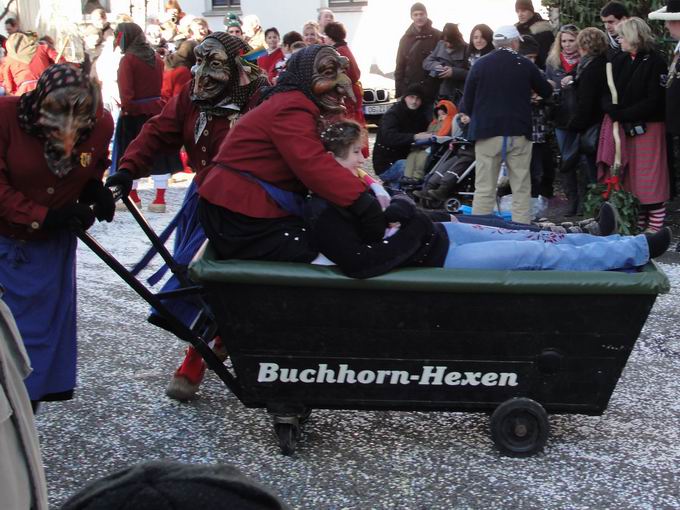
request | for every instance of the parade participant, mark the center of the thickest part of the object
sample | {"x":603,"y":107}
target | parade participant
{"x":414,"y":240}
{"x":53,"y":152}
{"x":274,"y":154}
{"x":140,"y":78}
{"x":177,"y":71}
{"x":199,"y":119}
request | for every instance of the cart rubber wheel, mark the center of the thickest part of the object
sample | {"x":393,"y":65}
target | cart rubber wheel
{"x":519,"y":427}
{"x":288,"y":435}
{"x":452,"y":205}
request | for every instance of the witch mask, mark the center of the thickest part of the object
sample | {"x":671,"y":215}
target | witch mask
{"x":330,"y":84}
{"x":212,"y":72}
{"x":66,"y":117}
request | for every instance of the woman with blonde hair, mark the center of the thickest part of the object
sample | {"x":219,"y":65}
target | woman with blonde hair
{"x":640,"y":111}
{"x":311,"y":33}
{"x":561,"y":64}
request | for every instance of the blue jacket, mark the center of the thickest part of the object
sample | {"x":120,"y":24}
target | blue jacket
{"x":498,"y":94}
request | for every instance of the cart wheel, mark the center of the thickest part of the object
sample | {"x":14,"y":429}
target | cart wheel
{"x":519,"y":427}
{"x":452,"y":205}
{"x":288,"y":435}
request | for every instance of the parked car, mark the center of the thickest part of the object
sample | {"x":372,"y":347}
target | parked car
{"x":379,"y":96}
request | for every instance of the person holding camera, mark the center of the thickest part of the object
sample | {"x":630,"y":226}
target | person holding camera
{"x":640,"y":111}
{"x":448,"y":63}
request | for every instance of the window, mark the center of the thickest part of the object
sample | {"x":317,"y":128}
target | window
{"x":333,"y":4}
{"x":226,"y":4}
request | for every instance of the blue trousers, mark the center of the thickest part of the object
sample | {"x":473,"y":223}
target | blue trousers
{"x":393,"y":174}
{"x":482,"y":247}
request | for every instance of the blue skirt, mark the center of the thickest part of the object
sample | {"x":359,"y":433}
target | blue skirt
{"x":39,"y":278}
{"x":189,"y":236}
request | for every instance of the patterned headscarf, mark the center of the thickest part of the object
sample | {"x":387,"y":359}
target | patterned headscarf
{"x":238,"y":92}
{"x":298,"y":74}
{"x":28,"y":112}
{"x":131,"y":39}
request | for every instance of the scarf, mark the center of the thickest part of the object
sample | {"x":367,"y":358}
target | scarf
{"x":569,"y":60}
{"x":28,"y":112}
{"x":583,"y":63}
{"x":298,"y":75}
{"x":132,"y":41}
{"x":21,"y":47}
{"x":246,"y":79}
{"x":184,"y":56}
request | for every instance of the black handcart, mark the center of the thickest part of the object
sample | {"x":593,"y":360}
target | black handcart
{"x":518,"y":345}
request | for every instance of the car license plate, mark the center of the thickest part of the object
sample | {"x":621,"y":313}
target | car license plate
{"x":376,"y":109}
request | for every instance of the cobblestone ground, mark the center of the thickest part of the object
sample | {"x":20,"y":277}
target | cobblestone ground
{"x":627,"y":458}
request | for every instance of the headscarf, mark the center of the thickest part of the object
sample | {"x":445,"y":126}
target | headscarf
{"x":28,"y":112}
{"x":21,"y":47}
{"x":131,"y":39}
{"x":298,"y":74}
{"x":245,"y":79}
{"x":184,"y":56}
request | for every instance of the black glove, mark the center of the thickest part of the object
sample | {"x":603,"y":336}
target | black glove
{"x":400,"y":210}
{"x":69,"y":216}
{"x":122,"y":179}
{"x":372,"y":222}
{"x":94,"y":193}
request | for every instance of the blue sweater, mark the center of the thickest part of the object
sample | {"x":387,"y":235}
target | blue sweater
{"x":498,"y":94}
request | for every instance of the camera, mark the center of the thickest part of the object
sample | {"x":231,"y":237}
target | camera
{"x":634,"y":128}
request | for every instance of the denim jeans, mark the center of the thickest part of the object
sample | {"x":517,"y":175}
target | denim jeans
{"x":481,"y":247}
{"x":393,"y":174}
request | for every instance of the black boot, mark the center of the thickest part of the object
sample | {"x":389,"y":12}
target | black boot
{"x":658,"y":242}
{"x":607,"y":220}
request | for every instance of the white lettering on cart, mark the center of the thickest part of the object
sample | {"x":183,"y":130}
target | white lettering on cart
{"x":429,"y":376}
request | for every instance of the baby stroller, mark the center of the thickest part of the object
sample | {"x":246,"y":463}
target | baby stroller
{"x":451,"y":181}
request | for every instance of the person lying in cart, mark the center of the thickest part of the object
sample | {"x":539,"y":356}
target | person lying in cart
{"x":415,"y":240}
{"x":53,"y":152}
{"x":224,"y":87}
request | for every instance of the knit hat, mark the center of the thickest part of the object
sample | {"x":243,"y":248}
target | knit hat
{"x":159,"y":485}
{"x":232,"y":20}
{"x":418,"y":7}
{"x":528,"y":46}
{"x":525,"y":5}
{"x":415,"y":89}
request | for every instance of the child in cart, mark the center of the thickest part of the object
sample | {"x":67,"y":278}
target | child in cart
{"x":415,"y":240}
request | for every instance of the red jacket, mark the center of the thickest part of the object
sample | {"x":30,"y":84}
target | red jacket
{"x":139,"y":82}
{"x":174,"y":80}
{"x":20,"y":77}
{"x":267,"y":62}
{"x":27,"y":187}
{"x":277,"y":142}
{"x":172,"y":129}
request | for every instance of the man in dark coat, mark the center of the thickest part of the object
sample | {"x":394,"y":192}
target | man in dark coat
{"x":497,"y":105}
{"x":414,"y":47}
{"x":612,"y":14}
{"x":401,"y":125}
{"x":531,"y":23}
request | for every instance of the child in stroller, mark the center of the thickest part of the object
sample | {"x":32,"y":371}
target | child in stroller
{"x":452,"y":179}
